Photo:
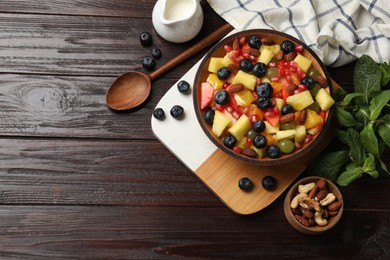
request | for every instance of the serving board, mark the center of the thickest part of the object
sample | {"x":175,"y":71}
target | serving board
{"x":217,"y":170}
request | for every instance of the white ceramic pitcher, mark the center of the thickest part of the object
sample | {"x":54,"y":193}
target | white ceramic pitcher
{"x":177,"y":20}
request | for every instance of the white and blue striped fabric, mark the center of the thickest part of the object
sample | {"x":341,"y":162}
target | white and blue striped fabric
{"x":339,"y":31}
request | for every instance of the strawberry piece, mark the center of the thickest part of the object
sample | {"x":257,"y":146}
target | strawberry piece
{"x":272,"y":116}
{"x":206,"y":95}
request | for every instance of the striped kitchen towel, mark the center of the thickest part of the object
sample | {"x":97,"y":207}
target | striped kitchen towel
{"x":339,"y":31}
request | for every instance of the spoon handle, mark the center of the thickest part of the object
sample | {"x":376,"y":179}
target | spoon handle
{"x":211,"y":38}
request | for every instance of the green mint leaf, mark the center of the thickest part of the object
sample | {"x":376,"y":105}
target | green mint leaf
{"x":378,"y":102}
{"x":370,"y":166}
{"x":344,"y":118}
{"x":349,"y":97}
{"x":362,"y":115}
{"x":384,"y":129}
{"x":383,"y":166}
{"x":369,"y":140}
{"x":367,"y":77}
{"x":329,"y":165}
{"x":385,"y":70}
{"x":357,"y":152}
{"x":341,"y":135}
{"x":348,"y":176}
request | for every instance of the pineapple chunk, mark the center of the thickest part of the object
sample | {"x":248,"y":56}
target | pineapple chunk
{"x":261,"y":152}
{"x":273,"y":48}
{"x":301,"y":100}
{"x":279,"y":103}
{"x":215,"y":64}
{"x":244,"y":98}
{"x":324,"y":99}
{"x":300,"y":134}
{"x":265,"y":79}
{"x":303,"y":62}
{"x":269,"y":129}
{"x":313,"y":119}
{"x":248,"y":80}
{"x":241,"y":127}
{"x":221,"y":121}
{"x":265,"y":56}
{"x":215,"y":81}
{"x":285,"y":134}
{"x":226,"y":60}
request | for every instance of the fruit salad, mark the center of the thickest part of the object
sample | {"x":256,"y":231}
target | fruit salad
{"x":264,"y":98}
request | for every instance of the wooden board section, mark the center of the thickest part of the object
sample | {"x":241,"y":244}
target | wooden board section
{"x":217,"y":170}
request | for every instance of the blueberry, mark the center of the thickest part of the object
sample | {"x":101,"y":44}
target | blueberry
{"x":209,"y":116}
{"x":246,"y":65}
{"x":245,"y":184}
{"x":264,"y":90}
{"x":287,"y":46}
{"x":259,"y":126}
{"x":221,"y":97}
{"x":269,"y":183}
{"x":183,"y":86}
{"x":229,"y":141}
{"x":273,"y":151}
{"x":156,"y":53}
{"x":308,"y":81}
{"x":287,"y":109}
{"x":259,"y":69}
{"x":254,"y":42}
{"x":259,"y":141}
{"x":159,"y":113}
{"x":146,"y":39}
{"x":177,"y":111}
{"x":263,"y":103}
{"x":223,"y":73}
{"x":148,"y":63}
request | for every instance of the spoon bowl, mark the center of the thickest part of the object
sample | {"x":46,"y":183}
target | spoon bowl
{"x":128,"y":90}
{"x":133,"y":88}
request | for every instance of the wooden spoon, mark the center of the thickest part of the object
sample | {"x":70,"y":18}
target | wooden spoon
{"x":133,"y":88}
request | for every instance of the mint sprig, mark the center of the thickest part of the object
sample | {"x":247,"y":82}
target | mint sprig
{"x":363,"y":125}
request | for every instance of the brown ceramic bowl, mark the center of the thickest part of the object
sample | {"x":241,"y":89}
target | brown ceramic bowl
{"x":203,"y":73}
{"x":316,"y":229}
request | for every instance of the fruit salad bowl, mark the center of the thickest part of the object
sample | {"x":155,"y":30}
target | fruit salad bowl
{"x":263,"y":97}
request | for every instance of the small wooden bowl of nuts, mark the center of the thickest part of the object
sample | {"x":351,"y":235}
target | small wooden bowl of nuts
{"x":313,"y":205}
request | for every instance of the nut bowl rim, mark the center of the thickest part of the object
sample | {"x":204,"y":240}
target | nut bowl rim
{"x":286,"y":158}
{"x":315,"y":229}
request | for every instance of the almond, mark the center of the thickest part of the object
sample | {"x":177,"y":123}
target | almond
{"x":321,"y":183}
{"x":290,"y":56}
{"x":332,"y":213}
{"x":291,"y":88}
{"x":236,"y":44}
{"x":233,"y":68}
{"x":249,"y":152}
{"x":279,"y":55}
{"x":252,"y":51}
{"x":234,"y":88}
{"x":287,"y":118}
{"x":307,"y":213}
{"x":322,"y":81}
{"x":267,"y":41}
{"x":334,"y":206}
{"x":321,"y":194}
{"x":303,"y":116}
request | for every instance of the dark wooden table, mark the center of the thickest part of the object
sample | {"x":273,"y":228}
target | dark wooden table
{"x":80,"y":181}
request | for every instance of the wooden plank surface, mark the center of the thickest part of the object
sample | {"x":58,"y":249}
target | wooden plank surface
{"x":78,"y":181}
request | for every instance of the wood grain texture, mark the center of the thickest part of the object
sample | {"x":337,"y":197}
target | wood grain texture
{"x":78,"y":181}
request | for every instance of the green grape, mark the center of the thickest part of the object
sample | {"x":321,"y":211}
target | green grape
{"x":286,"y":146}
{"x":287,"y":126}
{"x":313,"y":73}
{"x":272,"y":73}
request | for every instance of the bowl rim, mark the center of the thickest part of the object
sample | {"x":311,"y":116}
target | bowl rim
{"x":264,"y":161}
{"x":290,"y":216}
